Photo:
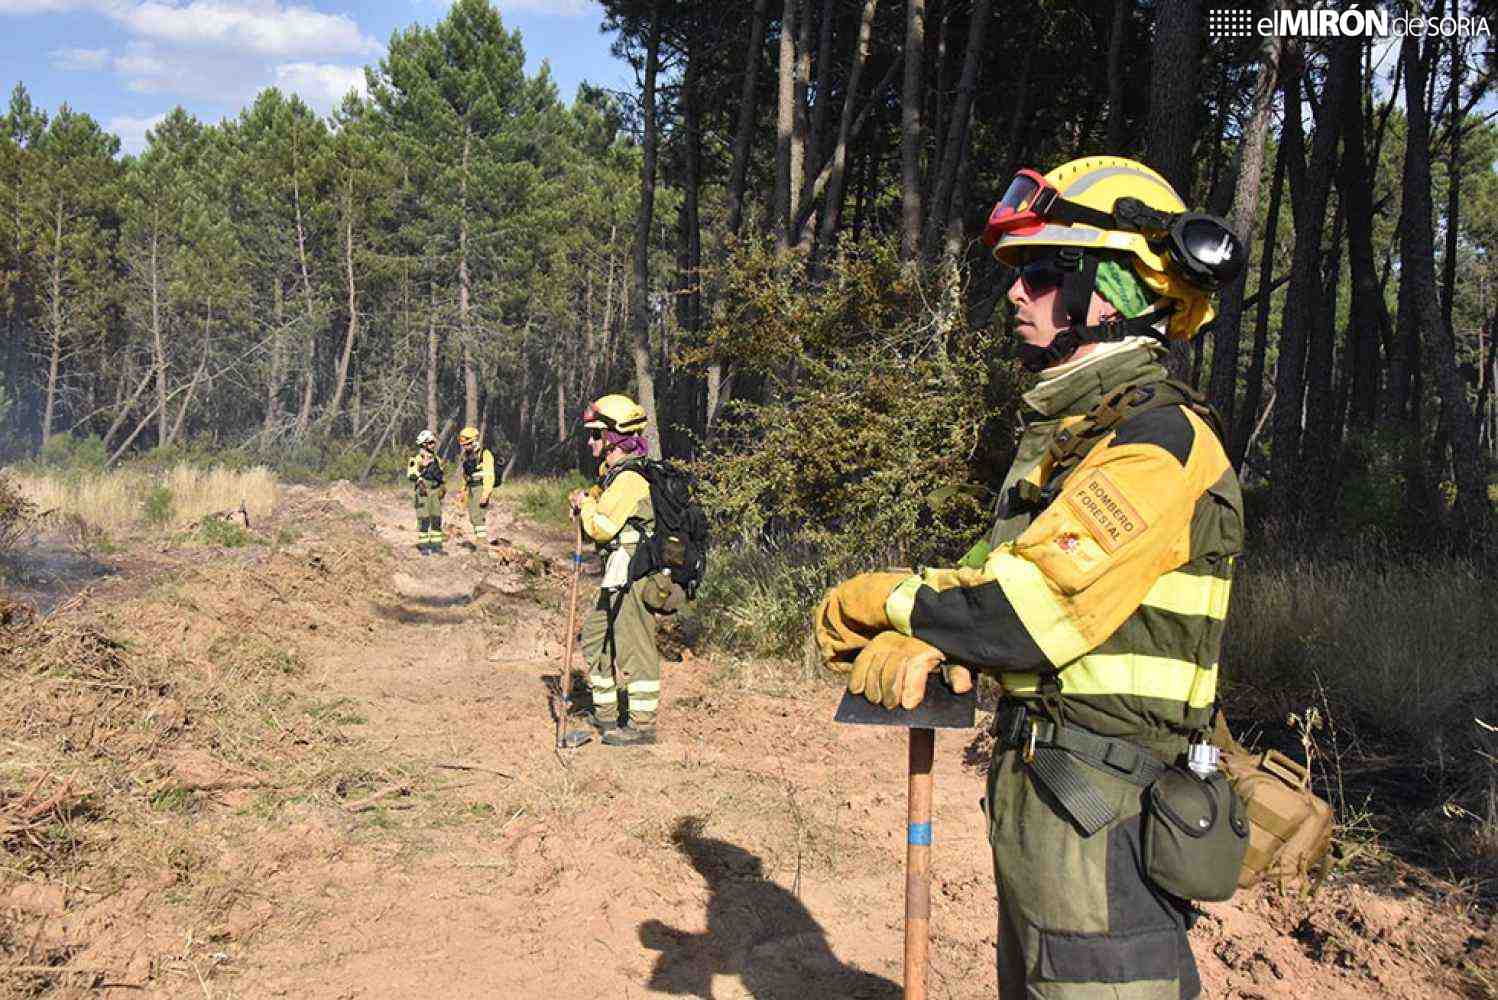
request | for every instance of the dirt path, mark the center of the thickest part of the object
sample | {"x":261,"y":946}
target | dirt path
{"x":755,"y":852}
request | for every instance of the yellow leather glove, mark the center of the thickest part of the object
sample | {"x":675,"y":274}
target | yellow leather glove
{"x":851,"y":614}
{"x":891,"y":671}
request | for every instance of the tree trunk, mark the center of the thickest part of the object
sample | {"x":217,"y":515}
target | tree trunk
{"x":470,"y":373}
{"x":832,"y":209}
{"x":353,"y":310}
{"x":1369,"y":319}
{"x":1116,"y":137}
{"x":1243,"y":426}
{"x":432,"y":358}
{"x":799,"y":135}
{"x":785,"y":126}
{"x":1170,"y":135}
{"x":818,"y":137}
{"x":277,"y":347}
{"x":1225,"y":334}
{"x":910,"y":131}
{"x":1310,"y":185}
{"x":304,"y":413}
{"x":54,"y":361}
{"x":745,"y":130}
{"x":640,"y":305}
{"x":157,"y":340}
{"x":957,"y":129}
{"x":1473,"y":511}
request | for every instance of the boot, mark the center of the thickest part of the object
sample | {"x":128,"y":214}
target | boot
{"x":602,"y":725}
{"x":574,"y":738}
{"x":630,"y":735}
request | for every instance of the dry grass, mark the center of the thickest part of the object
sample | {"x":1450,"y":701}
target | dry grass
{"x":1398,"y":647}
{"x":121,"y":501}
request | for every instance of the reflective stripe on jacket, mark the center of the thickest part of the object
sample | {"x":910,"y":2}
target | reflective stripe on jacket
{"x":1120,"y":586}
{"x":626,"y":498}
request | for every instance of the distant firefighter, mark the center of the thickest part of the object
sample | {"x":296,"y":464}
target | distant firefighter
{"x":425,"y":471}
{"x":478,"y":482}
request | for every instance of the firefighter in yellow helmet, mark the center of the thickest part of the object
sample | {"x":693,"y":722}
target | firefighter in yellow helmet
{"x":427,"y":476}
{"x":478,"y":481}
{"x":1098,"y":597}
{"x":618,"y":634}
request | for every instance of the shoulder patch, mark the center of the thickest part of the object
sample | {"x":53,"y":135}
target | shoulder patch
{"x":1166,"y":427}
{"x":1105,"y":510}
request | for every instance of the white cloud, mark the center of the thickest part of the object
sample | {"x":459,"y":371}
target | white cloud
{"x":82,"y":60}
{"x":263,"y":27}
{"x":269,"y":28}
{"x":132,"y":131}
{"x":39,"y":6}
{"x":322,"y":85}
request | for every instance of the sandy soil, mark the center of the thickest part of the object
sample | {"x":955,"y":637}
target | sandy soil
{"x":757,"y":851}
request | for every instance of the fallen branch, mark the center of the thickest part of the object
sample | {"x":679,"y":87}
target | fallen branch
{"x":367,"y":804}
{"x":455,"y":766}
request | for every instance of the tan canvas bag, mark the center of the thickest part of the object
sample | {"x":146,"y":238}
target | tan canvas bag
{"x":1290,"y":827}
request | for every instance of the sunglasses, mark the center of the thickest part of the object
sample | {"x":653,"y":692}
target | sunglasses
{"x":1043,"y":273}
{"x":595,"y":435}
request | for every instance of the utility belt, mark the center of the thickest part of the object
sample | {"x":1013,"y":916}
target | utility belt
{"x":1056,"y":755}
{"x":1193,"y":827}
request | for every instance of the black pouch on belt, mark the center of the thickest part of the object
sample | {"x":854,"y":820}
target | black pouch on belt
{"x":1195,"y":835}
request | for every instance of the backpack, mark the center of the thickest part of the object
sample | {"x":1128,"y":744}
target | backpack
{"x":679,"y":542}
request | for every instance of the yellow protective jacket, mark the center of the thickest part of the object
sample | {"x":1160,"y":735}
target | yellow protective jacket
{"x":624,"y":496}
{"x":425,"y":467}
{"x":478,"y":473}
{"x":1118,"y":590}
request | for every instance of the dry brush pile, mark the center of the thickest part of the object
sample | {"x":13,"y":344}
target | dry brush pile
{"x":127,"y":720}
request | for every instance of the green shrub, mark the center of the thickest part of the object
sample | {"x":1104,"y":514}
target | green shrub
{"x":159,"y":505}
{"x":884,"y":415}
{"x":222,"y":533}
{"x":543,"y":499}
{"x":66,"y":452}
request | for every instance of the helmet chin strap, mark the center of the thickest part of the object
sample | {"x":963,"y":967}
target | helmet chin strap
{"x":1076,"y":297}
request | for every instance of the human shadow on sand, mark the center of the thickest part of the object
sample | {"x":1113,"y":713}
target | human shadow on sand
{"x":756,"y":930}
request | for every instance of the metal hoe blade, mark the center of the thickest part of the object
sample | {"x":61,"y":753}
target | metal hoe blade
{"x":940,"y":709}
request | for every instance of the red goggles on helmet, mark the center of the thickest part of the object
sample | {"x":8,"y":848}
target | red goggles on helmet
{"x":1024,"y":208}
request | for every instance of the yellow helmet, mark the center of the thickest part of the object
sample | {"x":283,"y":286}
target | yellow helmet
{"x":615,"y":412}
{"x":1110,"y":203}
{"x":468,"y":436}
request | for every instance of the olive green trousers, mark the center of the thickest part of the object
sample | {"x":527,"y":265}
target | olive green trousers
{"x":632,"y":662}
{"x":429,"y":517}
{"x":1078,"y":920}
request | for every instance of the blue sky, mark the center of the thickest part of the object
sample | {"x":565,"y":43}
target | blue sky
{"x":127,"y":62}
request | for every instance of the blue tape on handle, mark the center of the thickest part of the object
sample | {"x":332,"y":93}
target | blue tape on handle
{"x":920,"y":833}
{"x":578,"y":560}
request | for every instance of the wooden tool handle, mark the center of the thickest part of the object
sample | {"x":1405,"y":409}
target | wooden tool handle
{"x":918,"y":863}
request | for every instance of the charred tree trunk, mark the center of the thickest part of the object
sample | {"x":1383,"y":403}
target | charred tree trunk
{"x":957,"y":138}
{"x":742,"y":135}
{"x":832,"y":209}
{"x":1225,"y":336}
{"x":1116,"y":136}
{"x":640,"y":299}
{"x":1310,"y":186}
{"x":1254,"y":388}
